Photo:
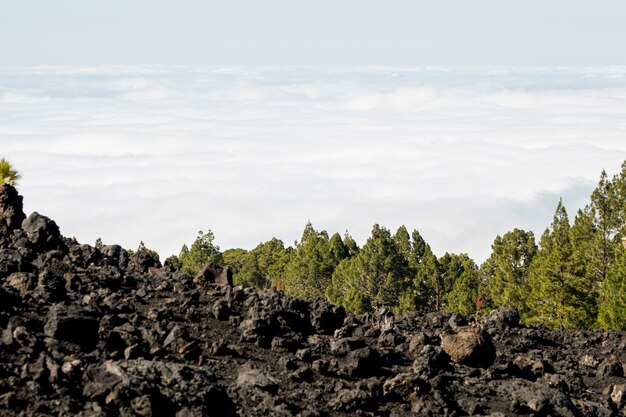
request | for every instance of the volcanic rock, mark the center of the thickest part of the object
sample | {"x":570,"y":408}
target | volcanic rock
{"x":41,"y":232}
{"x":74,"y":326}
{"x":213,"y":274}
{"x":11,"y":210}
{"x":472,"y":348}
{"x":502,"y":318}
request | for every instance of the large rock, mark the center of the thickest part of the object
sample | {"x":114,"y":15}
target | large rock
{"x":11,"y":209}
{"x":144,"y":260}
{"x":115,"y":255}
{"x":42,"y":233}
{"x":469,"y":347}
{"x":213,"y":274}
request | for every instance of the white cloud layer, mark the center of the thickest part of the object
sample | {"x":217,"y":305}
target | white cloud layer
{"x":157,"y":153}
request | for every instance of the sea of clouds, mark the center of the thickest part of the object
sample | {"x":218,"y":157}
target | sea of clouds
{"x":130,"y":153}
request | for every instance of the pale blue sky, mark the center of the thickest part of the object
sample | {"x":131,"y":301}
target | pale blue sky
{"x":321,"y":32}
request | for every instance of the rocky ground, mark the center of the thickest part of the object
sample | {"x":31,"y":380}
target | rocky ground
{"x":94,"y":332}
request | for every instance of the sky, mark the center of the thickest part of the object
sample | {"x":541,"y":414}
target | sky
{"x":152,"y":120}
{"x":321,"y":32}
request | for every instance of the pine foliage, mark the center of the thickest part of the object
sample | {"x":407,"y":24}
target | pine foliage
{"x":506,"y":270}
{"x":559,"y":296}
{"x":612,"y":312}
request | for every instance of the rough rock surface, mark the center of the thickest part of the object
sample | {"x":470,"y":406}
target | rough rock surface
{"x":95,"y":332}
{"x":213,"y":274}
{"x":472,"y":348}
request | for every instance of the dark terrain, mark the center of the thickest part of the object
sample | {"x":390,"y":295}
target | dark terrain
{"x":96,"y":332}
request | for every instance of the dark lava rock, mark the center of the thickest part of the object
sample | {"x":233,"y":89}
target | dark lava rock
{"x":11,"y":213}
{"x":502,"y":318}
{"x":361,"y":362}
{"x":143,"y":261}
{"x":160,"y":387}
{"x":42,"y":232}
{"x":115,"y":255}
{"x":431,"y":360}
{"x":610,"y":367}
{"x":74,"y":326}
{"x":213,"y":274}
{"x":326,"y":318}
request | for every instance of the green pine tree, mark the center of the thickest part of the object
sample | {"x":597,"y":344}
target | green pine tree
{"x":423,"y":267}
{"x":264,"y":266}
{"x":373,"y":278}
{"x":403,"y":243}
{"x":505,"y":272}
{"x":235,"y":258}
{"x":466,"y":290}
{"x":350,"y":245}
{"x":311,"y":266}
{"x":612,"y":311}
{"x":559,"y":298}
{"x":338,"y":250}
{"x":450,"y":268}
{"x":604,"y":209}
{"x":428,"y":286}
{"x":202,"y":250}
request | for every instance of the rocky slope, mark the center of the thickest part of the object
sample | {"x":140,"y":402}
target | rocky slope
{"x":92,"y":332}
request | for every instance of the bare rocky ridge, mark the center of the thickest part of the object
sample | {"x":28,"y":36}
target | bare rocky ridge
{"x":89,"y":332}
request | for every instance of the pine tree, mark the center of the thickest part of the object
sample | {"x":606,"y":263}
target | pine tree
{"x":559,"y":298}
{"x":311,"y":266}
{"x":450,"y":268}
{"x":182,"y":255}
{"x":420,"y":249}
{"x":235,"y":259}
{"x":264,"y":266}
{"x":350,"y":244}
{"x":338,"y":250}
{"x":371,"y":279}
{"x":427,"y":283}
{"x":619,"y":203}
{"x":466,"y":290}
{"x":612,"y":311}
{"x":347,"y":288}
{"x":202,"y":250}
{"x":505,"y":272}
{"x":423,"y":270}
{"x":604,"y":210}
{"x":403,"y":243}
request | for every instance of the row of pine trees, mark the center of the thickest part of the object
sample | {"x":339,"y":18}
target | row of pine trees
{"x":574,"y":277}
